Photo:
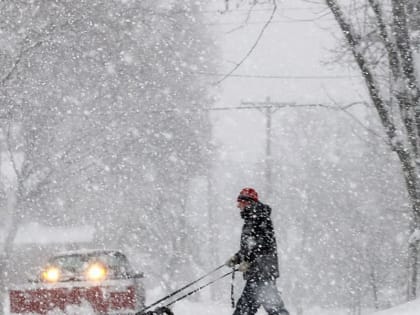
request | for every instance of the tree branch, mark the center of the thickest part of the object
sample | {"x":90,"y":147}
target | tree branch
{"x":18,"y":60}
{"x":11,"y":155}
{"x":245,"y":22}
{"x":394,"y":64}
{"x":260,"y":35}
{"x":354,"y":44}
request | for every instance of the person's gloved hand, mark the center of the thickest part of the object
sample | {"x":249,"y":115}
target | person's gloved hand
{"x":232,"y":261}
{"x":243,"y":266}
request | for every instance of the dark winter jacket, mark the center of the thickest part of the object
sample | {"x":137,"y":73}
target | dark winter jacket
{"x":258,"y":243}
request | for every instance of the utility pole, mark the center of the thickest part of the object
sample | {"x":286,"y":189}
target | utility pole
{"x":269,"y":108}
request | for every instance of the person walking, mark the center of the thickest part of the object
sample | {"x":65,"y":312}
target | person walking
{"x":257,"y":258}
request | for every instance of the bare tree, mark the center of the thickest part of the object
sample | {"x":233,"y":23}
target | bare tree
{"x":100,"y":119}
{"x":395,"y":97}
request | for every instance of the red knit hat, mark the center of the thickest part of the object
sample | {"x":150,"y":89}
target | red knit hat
{"x":248,"y":194}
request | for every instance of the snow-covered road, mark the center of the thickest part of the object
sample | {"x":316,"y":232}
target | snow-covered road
{"x":410,"y":308}
{"x":212,"y":308}
{"x":187,"y":307}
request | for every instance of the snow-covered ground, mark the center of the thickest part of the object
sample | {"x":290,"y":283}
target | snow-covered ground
{"x":188,"y":307}
{"x":410,"y":308}
{"x":212,"y":308}
{"x":207,"y":307}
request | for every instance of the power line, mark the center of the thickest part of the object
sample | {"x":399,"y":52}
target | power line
{"x":261,"y":10}
{"x":244,"y":106}
{"x":283,"y":77}
{"x":291,"y":21}
{"x":260,"y":35}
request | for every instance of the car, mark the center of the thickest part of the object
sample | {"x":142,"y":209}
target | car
{"x":102,"y":280}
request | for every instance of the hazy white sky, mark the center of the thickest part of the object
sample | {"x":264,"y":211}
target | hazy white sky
{"x":294,"y":49}
{"x":295,"y":44}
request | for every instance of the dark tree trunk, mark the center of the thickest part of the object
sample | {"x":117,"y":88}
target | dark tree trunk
{"x":401,"y":65}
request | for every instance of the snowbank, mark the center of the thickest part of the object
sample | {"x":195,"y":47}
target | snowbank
{"x":186,"y":307}
{"x":410,"y":308}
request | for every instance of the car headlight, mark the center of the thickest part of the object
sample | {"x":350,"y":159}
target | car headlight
{"x":51,"y":274}
{"x":96,"y":272}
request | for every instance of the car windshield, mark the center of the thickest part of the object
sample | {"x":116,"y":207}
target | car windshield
{"x":75,"y":264}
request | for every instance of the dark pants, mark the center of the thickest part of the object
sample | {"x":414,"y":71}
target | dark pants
{"x":260,"y":293}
